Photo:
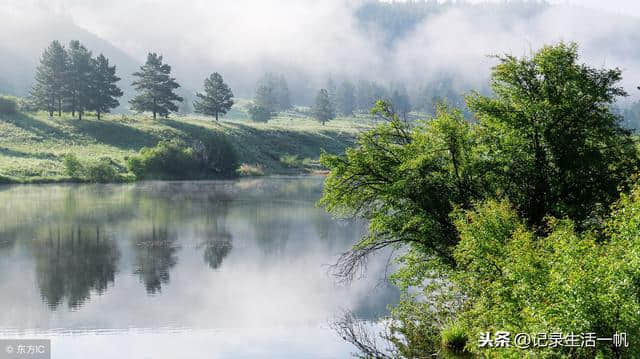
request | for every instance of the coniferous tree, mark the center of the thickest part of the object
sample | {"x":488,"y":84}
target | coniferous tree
{"x":346,"y":98}
{"x":332,"y":90}
{"x":323,"y":110}
{"x":267,"y":93}
{"x":400,"y":101}
{"x":284,"y":99}
{"x":264,"y":104}
{"x":78,"y":79}
{"x":48,"y":91}
{"x":104,"y":92}
{"x":155,"y":88}
{"x":217,"y":98}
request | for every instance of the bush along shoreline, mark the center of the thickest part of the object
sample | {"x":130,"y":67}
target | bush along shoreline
{"x":168,"y":160}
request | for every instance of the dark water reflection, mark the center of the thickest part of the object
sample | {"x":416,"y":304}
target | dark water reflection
{"x":189,"y":255}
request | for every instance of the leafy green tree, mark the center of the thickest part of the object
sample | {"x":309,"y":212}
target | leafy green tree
{"x":346,"y":98}
{"x":474,"y":208}
{"x":78,"y":82}
{"x":50,"y":78}
{"x":323,"y":110}
{"x":217,"y":97}
{"x":104,"y":91}
{"x":556,"y":148}
{"x":155,"y":88}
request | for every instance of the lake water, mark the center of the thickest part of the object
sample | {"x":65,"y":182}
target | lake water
{"x":221,"y":269}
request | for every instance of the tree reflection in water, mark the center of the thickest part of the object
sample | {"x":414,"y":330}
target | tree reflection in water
{"x":155,"y":256}
{"x":73,"y":261}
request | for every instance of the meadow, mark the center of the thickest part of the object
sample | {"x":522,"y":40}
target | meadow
{"x":33,"y":145}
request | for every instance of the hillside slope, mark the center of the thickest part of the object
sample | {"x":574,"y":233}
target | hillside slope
{"x":32,"y":146}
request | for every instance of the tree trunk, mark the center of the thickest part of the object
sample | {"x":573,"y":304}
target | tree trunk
{"x":79,"y":115}
{"x":216,"y":117}
{"x":59,"y":108}
{"x":98,"y":115}
{"x":154,"y":115}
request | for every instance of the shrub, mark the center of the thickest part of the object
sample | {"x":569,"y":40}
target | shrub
{"x":259,"y":113}
{"x":102,"y":171}
{"x":8,"y":105}
{"x":72,"y":166}
{"x":454,"y":337}
{"x":170,"y":160}
{"x":291,"y":161}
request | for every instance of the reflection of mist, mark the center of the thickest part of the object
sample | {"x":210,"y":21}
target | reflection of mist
{"x":72,"y":262}
{"x":267,"y":244}
{"x":155,"y":256}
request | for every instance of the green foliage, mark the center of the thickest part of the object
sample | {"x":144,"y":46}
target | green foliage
{"x":155,"y":88}
{"x":405,"y":181}
{"x":72,"y":166}
{"x":346,"y":98}
{"x":70,"y":80}
{"x":217,"y":98}
{"x":400,"y":101}
{"x":454,"y":337}
{"x":474,"y":207}
{"x":104,"y":91}
{"x":170,"y":160}
{"x":291,"y":161}
{"x":8,"y":105}
{"x":556,"y":148}
{"x":78,"y":96}
{"x":272,"y":95}
{"x":102,"y":171}
{"x":51,"y":80}
{"x":517,"y":281}
{"x":324,"y":109}
{"x":259,"y":113}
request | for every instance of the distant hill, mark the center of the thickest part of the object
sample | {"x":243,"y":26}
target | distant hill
{"x":21,"y":44}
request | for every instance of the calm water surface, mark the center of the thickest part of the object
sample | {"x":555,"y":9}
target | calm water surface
{"x":223,"y":269}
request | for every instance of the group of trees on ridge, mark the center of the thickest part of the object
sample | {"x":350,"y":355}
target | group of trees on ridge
{"x":71,"y":80}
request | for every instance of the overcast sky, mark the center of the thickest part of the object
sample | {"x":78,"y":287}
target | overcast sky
{"x":244,"y":38}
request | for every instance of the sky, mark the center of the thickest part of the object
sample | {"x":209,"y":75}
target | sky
{"x":314,"y":39}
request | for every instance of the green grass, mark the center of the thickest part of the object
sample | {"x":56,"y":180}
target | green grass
{"x":32,"y":145}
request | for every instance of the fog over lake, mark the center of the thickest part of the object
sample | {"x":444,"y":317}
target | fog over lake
{"x":157,"y":269}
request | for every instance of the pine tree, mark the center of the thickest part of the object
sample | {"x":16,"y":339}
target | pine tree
{"x":284,"y":100}
{"x":347,"y":98}
{"x":267,"y":93}
{"x":49,"y":87}
{"x":323,"y":110}
{"x":400,"y":101}
{"x":104,"y":91}
{"x":217,"y":98}
{"x":155,"y":88}
{"x":333,"y":92}
{"x":264,"y":104}
{"x":78,"y":92}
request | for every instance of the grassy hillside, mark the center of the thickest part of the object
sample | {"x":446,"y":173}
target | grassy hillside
{"x":32,"y":146}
